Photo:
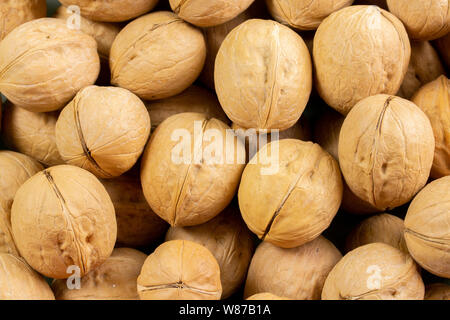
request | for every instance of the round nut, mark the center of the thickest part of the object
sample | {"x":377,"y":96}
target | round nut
{"x":19,"y":282}
{"x":263,"y":75}
{"x":13,"y":13}
{"x":299,"y":197}
{"x":387,"y":156}
{"x":297,"y":273}
{"x":426,"y":229}
{"x":434,"y":99}
{"x":189,"y":177}
{"x":157,"y":56}
{"x":180,"y":270}
{"x":375,"y":271}
{"x":103,"y":130}
{"x":359,"y":51}
{"x":114,"y":279}
{"x":266,"y":296}
{"x":437,"y":291}
{"x":63,"y":217}
{"x":40,"y":58}
{"x":229,"y":240}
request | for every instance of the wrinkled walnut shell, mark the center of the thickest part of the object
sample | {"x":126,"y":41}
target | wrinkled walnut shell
{"x":13,"y":13}
{"x":437,"y":291}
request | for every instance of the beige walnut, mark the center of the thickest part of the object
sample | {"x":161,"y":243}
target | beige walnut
{"x":263,"y":75}
{"x":386,"y":149}
{"x":424,"y":19}
{"x":19,"y":282}
{"x":426,"y":227}
{"x":266,"y":296}
{"x":114,"y":279}
{"x":43,"y":64}
{"x":304,"y":14}
{"x":180,"y":270}
{"x":15,"y":169}
{"x":384,"y":228}
{"x":359,"y":51}
{"x":191,"y":168}
{"x":103,"y":130}
{"x":375,"y":271}
{"x":13,"y":13}
{"x":229,"y":240}
{"x":31,"y":133}
{"x":298,"y":193}
{"x":207,"y":13}
{"x":63,"y":217}
{"x":103,"y":32}
{"x":434,"y":99}
{"x":437,"y":291}
{"x":297,"y":273}
{"x":157,"y":56}
{"x":111,"y":11}
{"x":443,"y":46}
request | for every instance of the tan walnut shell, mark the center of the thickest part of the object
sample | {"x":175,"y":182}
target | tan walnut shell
{"x":16,"y":12}
{"x":63,"y":217}
{"x":31,"y":133}
{"x":103,"y":32}
{"x":43,"y":64}
{"x":19,"y":282}
{"x":193,"y":99}
{"x":114,"y":279}
{"x":137,"y":224}
{"x":180,"y":270}
{"x":207,"y":13}
{"x":424,"y":19}
{"x":103,"y":130}
{"x":229,"y":240}
{"x":298,"y":200}
{"x":111,"y":11}
{"x":359,"y":51}
{"x":434,"y":99}
{"x":157,"y":56}
{"x":297,"y":273}
{"x":437,"y":291}
{"x":266,"y":296}
{"x":426,"y":227}
{"x":443,"y":46}
{"x":263,"y":75}
{"x":386,"y":149}
{"x":184,"y":180}
{"x":384,"y":228}
{"x":304,"y":14}
{"x":375,"y":271}
{"x":15,"y":169}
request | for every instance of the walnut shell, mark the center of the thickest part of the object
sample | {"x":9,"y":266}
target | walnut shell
{"x":384,"y":228}
{"x":386,"y":149}
{"x":63,"y":217}
{"x":375,"y":271}
{"x":157,"y":56}
{"x":263,"y":75}
{"x":298,"y":201}
{"x":193,"y":99}
{"x":114,"y":279}
{"x":31,"y":133}
{"x":43,"y":64}
{"x":16,"y":12}
{"x":180,"y":270}
{"x":304,"y":14}
{"x":186,"y":187}
{"x":443,"y":46}
{"x":229,"y":240}
{"x":19,"y":282}
{"x":266,"y":296}
{"x":103,"y":32}
{"x":359,"y":51}
{"x":103,"y":130}
{"x":112,"y":11}
{"x":297,"y":273}
{"x":206,"y":13}
{"x":434,"y":99}
{"x":15,"y":169}
{"x":437,"y":291}
{"x":423,"y":19}
{"x":426,"y":227}
{"x":137,"y":224}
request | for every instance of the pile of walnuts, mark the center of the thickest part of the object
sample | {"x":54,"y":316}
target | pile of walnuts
{"x":242,"y":149}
